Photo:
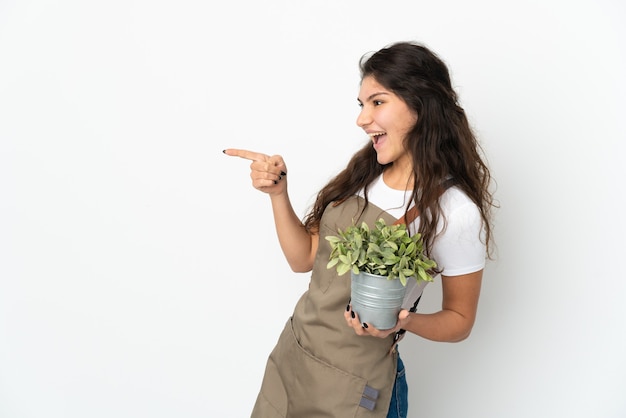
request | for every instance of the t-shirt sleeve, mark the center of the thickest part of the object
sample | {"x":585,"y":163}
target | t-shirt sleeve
{"x":459,"y":249}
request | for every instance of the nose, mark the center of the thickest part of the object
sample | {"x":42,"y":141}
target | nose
{"x":364,"y":118}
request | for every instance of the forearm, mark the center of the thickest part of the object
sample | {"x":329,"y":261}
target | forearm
{"x":442,"y":326}
{"x":298,"y":245}
{"x":456,"y":318}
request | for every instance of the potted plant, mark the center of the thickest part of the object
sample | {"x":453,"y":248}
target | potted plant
{"x":381,"y":260}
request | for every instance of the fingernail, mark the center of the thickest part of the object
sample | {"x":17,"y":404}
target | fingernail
{"x":348,"y":308}
{"x":282,"y":173}
{"x":224,"y":151}
{"x":352,"y":314}
{"x":275,"y":182}
{"x":364,"y":325}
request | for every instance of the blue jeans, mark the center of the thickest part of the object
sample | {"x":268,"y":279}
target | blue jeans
{"x":400,"y":397}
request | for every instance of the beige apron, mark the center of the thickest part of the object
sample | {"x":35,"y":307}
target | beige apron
{"x":320,"y":367}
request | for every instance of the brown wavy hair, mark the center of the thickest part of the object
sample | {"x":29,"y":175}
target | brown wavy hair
{"x":442,"y":143}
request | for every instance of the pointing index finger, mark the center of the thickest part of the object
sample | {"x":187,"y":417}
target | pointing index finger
{"x":248,"y":155}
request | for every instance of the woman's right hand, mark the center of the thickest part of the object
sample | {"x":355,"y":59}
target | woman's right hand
{"x":267,"y":173}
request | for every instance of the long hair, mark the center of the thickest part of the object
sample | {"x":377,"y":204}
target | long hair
{"x":442,"y":144}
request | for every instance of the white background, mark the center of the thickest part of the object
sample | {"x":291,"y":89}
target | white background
{"x":140,"y":275}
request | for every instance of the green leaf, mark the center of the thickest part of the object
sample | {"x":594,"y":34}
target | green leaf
{"x":343,"y":269}
{"x":345,"y":259}
{"x":407,"y":272}
{"x":387,"y":250}
{"x":403,"y":280}
{"x":424,"y":276}
{"x":333,"y":239}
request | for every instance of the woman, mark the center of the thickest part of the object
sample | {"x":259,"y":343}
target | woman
{"x":423,"y":153}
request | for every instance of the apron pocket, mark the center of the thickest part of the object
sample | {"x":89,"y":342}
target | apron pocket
{"x":316,"y":388}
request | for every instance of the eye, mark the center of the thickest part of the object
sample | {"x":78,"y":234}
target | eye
{"x":377,"y":102}
{"x":360,"y":104}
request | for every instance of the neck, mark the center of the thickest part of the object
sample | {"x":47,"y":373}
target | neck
{"x":398,"y":178}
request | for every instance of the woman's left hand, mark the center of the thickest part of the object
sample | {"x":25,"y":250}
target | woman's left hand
{"x":361,"y":328}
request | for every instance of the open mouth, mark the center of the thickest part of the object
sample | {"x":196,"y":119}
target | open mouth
{"x":377,"y":136}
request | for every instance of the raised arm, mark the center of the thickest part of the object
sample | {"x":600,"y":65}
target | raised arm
{"x":269,"y":175}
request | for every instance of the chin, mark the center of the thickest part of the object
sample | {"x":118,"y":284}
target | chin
{"x":382,"y":161}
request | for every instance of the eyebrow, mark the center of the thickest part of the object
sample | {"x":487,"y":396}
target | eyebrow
{"x":371,"y":96}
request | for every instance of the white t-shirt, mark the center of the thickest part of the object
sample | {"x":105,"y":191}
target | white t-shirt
{"x":458,"y":250}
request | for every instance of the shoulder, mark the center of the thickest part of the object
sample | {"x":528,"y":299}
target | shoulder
{"x":458,"y":248}
{"x":455,"y":203}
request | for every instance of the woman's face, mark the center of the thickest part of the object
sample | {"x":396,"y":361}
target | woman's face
{"x":387,"y":119}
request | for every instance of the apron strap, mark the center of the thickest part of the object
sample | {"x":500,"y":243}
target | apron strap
{"x":409,"y":217}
